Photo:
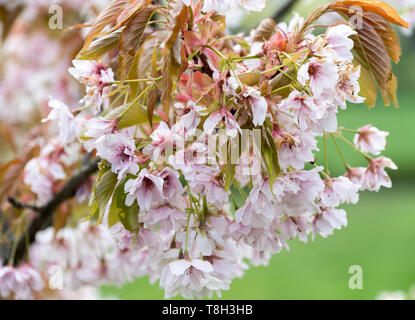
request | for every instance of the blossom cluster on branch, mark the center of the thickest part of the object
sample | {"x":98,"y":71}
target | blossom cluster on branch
{"x":209,"y":143}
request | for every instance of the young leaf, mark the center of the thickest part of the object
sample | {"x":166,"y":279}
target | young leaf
{"x":101,"y":46}
{"x":270,"y":156}
{"x":119,"y":212}
{"x":389,"y":37}
{"x":177,"y":15}
{"x":142,"y":66}
{"x":151,"y":104}
{"x":265,"y":30}
{"x":104,"y":190}
{"x":135,"y":115}
{"x":131,"y":115}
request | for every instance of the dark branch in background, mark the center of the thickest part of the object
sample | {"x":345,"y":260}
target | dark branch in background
{"x":44,"y":215}
{"x":282,"y":11}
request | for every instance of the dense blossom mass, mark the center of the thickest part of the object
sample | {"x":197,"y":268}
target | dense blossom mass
{"x":212,"y":147}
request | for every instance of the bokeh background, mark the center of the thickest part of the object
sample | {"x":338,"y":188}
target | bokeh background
{"x":380,"y":236}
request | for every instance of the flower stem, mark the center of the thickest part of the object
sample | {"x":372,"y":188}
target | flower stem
{"x":326,"y":163}
{"x":349,"y":130}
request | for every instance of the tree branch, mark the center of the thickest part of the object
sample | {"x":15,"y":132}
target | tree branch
{"x":282,"y":11}
{"x":21,"y":205}
{"x":44,"y":215}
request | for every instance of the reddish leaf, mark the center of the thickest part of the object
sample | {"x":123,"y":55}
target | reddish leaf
{"x":142,"y":66}
{"x":130,"y":11}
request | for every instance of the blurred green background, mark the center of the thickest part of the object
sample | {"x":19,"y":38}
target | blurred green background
{"x":380,"y":236}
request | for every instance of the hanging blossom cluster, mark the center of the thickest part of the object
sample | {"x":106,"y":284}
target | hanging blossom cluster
{"x":209,"y":148}
{"x":69,"y":264}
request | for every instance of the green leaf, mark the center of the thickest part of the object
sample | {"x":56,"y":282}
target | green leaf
{"x":237,"y":197}
{"x":270,"y":156}
{"x":142,"y":66}
{"x":177,"y":15}
{"x":119,"y":212}
{"x":104,"y":190}
{"x":130,"y":115}
{"x":229,"y":170}
{"x":134,"y":115}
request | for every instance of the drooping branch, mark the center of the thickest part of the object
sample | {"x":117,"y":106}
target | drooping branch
{"x":44,"y":214}
{"x":283,"y":10}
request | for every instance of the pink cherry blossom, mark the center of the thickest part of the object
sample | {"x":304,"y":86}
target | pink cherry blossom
{"x":259,"y":106}
{"x":298,"y":154}
{"x":65,"y":120}
{"x":147,"y":189}
{"x":96,"y":77}
{"x":348,"y":86}
{"x":328,"y":220}
{"x":339,"y":190}
{"x":297,"y":192}
{"x":191,"y":278}
{"x":119,"y":151}
{"x":209,"y":186}
{"x":164,"y":217}
{"x":355,"y":175}
{"x":338,"y":39}
{"x":258,"y":210}
{"x":306,"y":110}
{"x":232,"y":127}
{"x":190,"y":115}
{"x":171,"y":183}
{"x":375,"y":175}
{"x":320,"y":75}
{"x":40,"y":174}
{"x":19,"y":283}
{"x":162,"y":139}
{"x":95,"y":128}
